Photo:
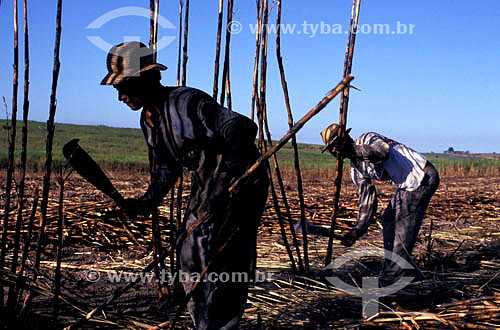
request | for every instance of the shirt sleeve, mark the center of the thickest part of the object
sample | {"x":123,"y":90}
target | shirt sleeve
{"x":367,"y":204}
{"x":372,"y":149}
{"x":163,"y":177}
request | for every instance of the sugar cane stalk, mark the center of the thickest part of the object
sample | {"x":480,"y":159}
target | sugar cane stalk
{"x":152,"y":26}
{"x":284,"y":198}
{"x":49,"y":142}
{"x":258,"y":36}
{"x":27,"y":242}
{"x":294,"y":140}
{"x":179,"y":46}
{"x":153,"y":30}
{"x":344,"y":103}
{"x":217,"y":50}
{"x":263,"y":124}
{"x":12,"y":289}
{"x":12,"y":146}
{"x":61,"y":179}
{"x":157,"y":248}
{"x":314,"y":111}
{"x":225,"y":70}
{"x":154,"y":7}
{"x":185,"y":48}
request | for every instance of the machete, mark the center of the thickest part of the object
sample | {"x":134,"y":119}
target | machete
{"x":81,"y":162}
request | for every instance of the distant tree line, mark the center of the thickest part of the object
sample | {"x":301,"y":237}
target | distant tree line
{"x":456,"y":152}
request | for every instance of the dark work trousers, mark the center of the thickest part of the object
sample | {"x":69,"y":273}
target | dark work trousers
{"x":402,"y":220}
{"x":219,"y":300}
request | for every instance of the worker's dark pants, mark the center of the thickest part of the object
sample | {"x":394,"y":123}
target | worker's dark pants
{"x":219,"y":300}
{"x":402,"y":220}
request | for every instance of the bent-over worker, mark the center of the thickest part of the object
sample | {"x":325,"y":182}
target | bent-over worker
{"x":376,"y":157}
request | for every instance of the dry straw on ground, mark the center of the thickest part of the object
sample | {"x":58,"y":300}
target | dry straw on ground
{"x":461,"y":289}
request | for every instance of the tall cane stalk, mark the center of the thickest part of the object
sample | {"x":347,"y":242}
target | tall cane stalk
{"x":185,"y":48}
{"x":258,"y":35}
{"x":23,"y":152}
{"x":49,"y":142}
{"x":263,"y":115}
{"x":155,"y":228}
{"x":294,"y":140}
{"x":225,"y":71}
{"x":217,"y":50}
{"x":12,"y":146}
{"x":344,"y":102}
{"x":179,"y":46}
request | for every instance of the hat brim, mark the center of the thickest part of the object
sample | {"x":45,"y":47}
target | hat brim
{"x":329,"y":145}
{"x":326,"y":147}
{"x":114,"y":78}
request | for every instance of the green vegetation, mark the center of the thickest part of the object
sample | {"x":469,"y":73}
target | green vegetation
{"x":114,"y":148}
{"x":124,"y":148}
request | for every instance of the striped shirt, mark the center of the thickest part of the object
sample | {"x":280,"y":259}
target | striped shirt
{"x":382,"y":159}
{"x":387,"y":160}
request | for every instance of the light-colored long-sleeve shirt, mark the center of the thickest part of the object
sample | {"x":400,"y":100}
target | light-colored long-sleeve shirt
{"x":383,"y":159}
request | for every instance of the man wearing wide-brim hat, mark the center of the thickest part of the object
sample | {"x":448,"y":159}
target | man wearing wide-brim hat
{"x":376,"y":157}
{"x":185,"y":128}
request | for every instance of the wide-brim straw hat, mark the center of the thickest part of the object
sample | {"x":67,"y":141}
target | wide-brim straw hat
{"x":129,"y":59}
{"x":330,"y":135}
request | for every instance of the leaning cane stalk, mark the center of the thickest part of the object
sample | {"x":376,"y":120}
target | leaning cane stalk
{"x":12,"y":146}
{"x":344,"y":102}
{"x":294,"y":140}
{"x":314,"y":111}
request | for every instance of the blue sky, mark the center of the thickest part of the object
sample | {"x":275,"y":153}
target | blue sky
{"x":434,"y":88}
